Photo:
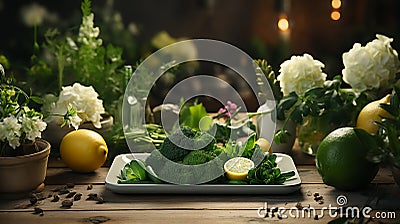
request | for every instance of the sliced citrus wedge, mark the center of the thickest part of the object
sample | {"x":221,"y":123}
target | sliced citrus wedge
{"x":237,"y":168}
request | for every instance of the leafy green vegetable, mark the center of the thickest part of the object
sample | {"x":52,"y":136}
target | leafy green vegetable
{"x":191,"y":115}
{"x":268,"y":172}
{"x":186,"y":140}
{"x":133,"y":172}
{"x":249,"y":146}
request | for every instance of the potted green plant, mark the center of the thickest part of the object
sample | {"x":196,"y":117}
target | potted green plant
{"x":318,"y":105}
{"x":23,"y":154}
{"x":388,"y":136}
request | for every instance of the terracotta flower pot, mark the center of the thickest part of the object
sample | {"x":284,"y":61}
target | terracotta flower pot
{"x":54,"y":133}
{"x":24,"y":173}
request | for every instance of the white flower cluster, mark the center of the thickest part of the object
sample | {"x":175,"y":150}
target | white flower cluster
{"x":84,"y":100}
{"x":301,"y":73}
{"x":88,"y":33}
{"x":13,"y":128}
{"x":371,"y":67}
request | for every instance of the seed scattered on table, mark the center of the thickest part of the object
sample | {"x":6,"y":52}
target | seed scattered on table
{"x":37,"y":211}
{"x":67,"y":204}
{"x":70,"y":185}
{"x":95,"y":197}
{"x":99,"y":200}
{"x":56,"y":198}
{"x":70,"y":194}
{"x":318,"y":198}
{"x":91,"y":197}
{"x":89,"y":187}
{"x":77,"y":197}
{"x":299,"y":205}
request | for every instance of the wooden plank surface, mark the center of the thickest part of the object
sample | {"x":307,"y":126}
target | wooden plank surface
{"x":379,"y":197}
{"x":167,"y":216}
{"x":382,"y":193}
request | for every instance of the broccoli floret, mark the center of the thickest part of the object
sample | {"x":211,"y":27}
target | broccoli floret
{"x":198,"y":157}
{"x":186,"y":140}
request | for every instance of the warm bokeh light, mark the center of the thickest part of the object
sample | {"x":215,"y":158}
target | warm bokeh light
{"x":336,"y":4}
{"x":283,"y":24}
{"x":335,"y":15}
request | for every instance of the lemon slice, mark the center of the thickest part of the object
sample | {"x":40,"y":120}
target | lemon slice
{"x":265,"y":145}
{"x":237,"y":168}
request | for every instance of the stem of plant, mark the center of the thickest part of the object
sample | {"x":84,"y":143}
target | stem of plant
{"x":60,"y":63}
{"x":35,"y":43}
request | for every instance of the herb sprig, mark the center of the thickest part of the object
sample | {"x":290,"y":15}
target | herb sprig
{"x":268,"y":172}
{"x":330,"y":100}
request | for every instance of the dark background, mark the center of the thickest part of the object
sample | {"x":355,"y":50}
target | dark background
{"x":249,"y":24}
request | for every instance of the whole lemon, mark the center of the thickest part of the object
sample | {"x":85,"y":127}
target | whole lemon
{"x":265,"y":145}
{"x":83,"y":150}
{"x":341,"y":158}
{"x":372,"y":112}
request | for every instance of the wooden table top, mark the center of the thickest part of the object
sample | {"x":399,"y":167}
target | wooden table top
{"x":382,"y":196}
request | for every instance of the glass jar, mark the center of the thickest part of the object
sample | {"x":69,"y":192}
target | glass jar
{"x":312,"y":131}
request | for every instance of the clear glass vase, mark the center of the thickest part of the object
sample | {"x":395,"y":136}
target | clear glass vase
{"x":313,"y":131}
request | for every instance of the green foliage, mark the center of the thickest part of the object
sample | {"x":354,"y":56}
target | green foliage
{"x":86,"y":7}
{"x":249,"y":146}
{"x":269,"y":74}
{"x":341,"y":106}
{"x":133,"y":172}
{"x":80,"y":56}
{"x":191,"y":114}
{"x":14,"y":100}
{"x":268,"y":172}
{"x":388,"y":136}
{"x":4,"y":62}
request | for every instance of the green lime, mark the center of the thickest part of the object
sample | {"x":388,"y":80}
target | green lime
{"x":341,"y":158}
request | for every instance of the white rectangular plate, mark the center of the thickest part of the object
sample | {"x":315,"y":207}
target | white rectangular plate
{"x":285,"y":163}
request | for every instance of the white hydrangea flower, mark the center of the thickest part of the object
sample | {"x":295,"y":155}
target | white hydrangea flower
{"x":10,"y":130}
{"x":84,"y":99}
{"x":32,"y":126}
{"x":371,"y":67}
{"x":75,"y":121}
{"x":301,"y":73}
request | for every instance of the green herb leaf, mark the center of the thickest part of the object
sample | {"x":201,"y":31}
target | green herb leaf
{"x":133,"y":172}
{"x":268,"y":172}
